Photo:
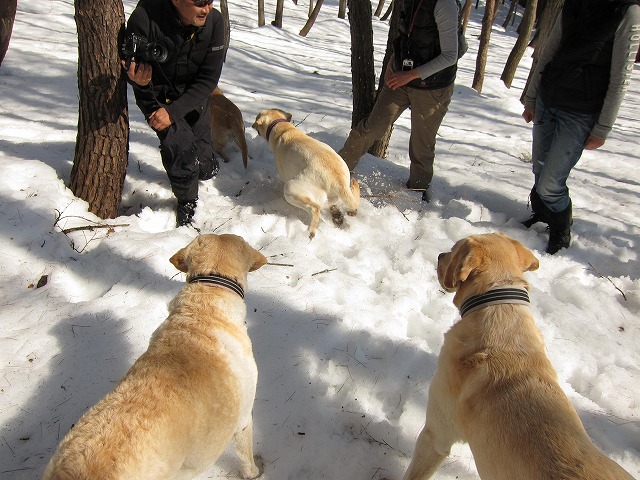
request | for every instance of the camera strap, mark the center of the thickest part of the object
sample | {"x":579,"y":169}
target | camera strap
{"x":413,"y":16}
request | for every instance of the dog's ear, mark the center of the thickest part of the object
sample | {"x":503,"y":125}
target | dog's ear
{"x":258,"y":260}
{"x":464,"y":260}
{"x":287,"y":115}
{"x":528,"y":261}
{"x":179,"y":260}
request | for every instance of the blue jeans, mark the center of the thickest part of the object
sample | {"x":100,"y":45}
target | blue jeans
{"x":559,"y":137}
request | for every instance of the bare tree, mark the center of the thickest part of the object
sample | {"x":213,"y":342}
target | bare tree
{"x":261,"y":13}
{"x":547,"y":20}
{"x":379,"y":147}
{"x":512,"y":10}
{"x":466,"y":13}
{"x":379,"y":8}
{"x":7,"y":16}
{"x":100,"y":162}
{"x":483,"y":47}
{"x":342,"y":8}
{"x":224,"y":10}
{"x":526,"y":27}
{"x":312,"y":18}
{"x":387,"y":14}
{"x":279,"y":9}
{"x":362,"y":70}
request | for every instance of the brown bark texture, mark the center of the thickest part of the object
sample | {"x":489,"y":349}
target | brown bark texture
{"x":7,"y":16}
{"x":362,"y":69}
{"x":312,"y":18}
{"x":526,"y":27}
{"x":483,"y":47}
{"x":100,"y":162}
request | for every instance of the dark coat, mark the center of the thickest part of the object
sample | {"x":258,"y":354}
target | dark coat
{"x":191,"y":72}
{"x":577,"y":78}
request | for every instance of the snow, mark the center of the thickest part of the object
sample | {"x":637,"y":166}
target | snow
{"x":347,"y":327}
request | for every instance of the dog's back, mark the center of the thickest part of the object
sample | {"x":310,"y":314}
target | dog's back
{"x":226,"y":124}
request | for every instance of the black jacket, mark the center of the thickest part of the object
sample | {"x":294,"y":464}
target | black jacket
{"x":577,"y":78}
{"x":184,"y":82}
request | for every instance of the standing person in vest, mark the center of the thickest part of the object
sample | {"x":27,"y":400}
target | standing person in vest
{"x":420,"y":75}
{"x":172,"y":87}
{"x":573,"y":100}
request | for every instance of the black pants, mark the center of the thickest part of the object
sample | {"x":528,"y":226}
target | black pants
{"x":186,"y":151}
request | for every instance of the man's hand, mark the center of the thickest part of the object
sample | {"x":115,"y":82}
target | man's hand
{"x":138,"y":73}
{"x":594,"y":142}
{"x":160,"y":119}
{"x":528,"y":114}
{"x":399,"y":79}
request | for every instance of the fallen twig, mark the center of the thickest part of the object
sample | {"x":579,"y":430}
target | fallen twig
{"x":324,"y":271}
{"x":610,"y":281}
{"x":92,"y":227}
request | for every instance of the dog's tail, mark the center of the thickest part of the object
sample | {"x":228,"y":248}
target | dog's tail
{"x":241,"y":140}
{"x":351,"y":197}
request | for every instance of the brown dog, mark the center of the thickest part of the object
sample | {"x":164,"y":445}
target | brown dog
{"x":494,"y":387}
{"x":226,"y":123}
{"x":190,"y":393}
{"x":312,"y":172}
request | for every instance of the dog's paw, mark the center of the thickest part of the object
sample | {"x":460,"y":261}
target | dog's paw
{"x":256,"y":470}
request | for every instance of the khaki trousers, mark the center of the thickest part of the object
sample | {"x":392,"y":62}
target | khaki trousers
{"x":428,"y":108}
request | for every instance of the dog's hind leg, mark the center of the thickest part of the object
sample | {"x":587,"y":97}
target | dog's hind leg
{"x":426,"y":458}
{"x":306,"y":202}
{"x":243,"y":443}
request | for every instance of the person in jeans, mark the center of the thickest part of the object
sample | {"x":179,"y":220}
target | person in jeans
{"x":573,"y":100}
{"x":173,"y":93}
{"x":420,"y":76}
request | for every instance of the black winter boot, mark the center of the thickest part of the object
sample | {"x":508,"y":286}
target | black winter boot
{"x":185,"y":211}
{"x":559,"y":229}
{"x":538,"y":208}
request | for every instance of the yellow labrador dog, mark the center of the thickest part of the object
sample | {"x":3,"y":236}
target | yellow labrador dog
{"x":226,"y":122}
{"x":494,"y":387}
{"x":312,"y":172}
{"x":189,"y":394}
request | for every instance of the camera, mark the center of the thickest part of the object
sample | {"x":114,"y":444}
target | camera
{"x":407,"y":64}
{"x":137,"y":48}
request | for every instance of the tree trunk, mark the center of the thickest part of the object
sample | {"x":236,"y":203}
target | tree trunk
{"x":342,"y":8}
{"x":379,"y":147}
{"x":547,"y":20}
{"x":224,"y":10}
{"x":261,"y":13}
{"x":526,"y":27}
{"x":483,"y":47}
{"x":279,"y":9}
{"x":512,"y":11}
{"x":387,"y":14}
{"x":466,"y":13}
{"x":362,"y":70}
{"x":379,"y":8}
{"x":102,"y":144}
{"x":312,"y":19}
{"x":7,"y":16}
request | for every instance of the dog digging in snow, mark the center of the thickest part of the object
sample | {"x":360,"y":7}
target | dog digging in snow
{"x":176,"y":409}
{"x":314,"y":175}
{"x":494,"y":386}
{"x":225,"y":119}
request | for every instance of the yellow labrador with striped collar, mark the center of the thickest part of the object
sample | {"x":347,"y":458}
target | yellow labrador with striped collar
{"x":190,"y":393}
{"x":494,"y":387}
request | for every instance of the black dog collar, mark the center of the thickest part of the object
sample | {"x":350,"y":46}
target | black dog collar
{"x":516,"y":295}
{"x":273,"y":124}
{"x":219,"y":281}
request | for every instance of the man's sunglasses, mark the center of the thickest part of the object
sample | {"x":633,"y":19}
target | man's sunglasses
{"x":202,"y":3}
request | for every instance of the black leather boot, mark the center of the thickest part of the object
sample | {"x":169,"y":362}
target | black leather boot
{"x":538,"y":209}
{"x":559,"y":229}
{"x":185,"y":211}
